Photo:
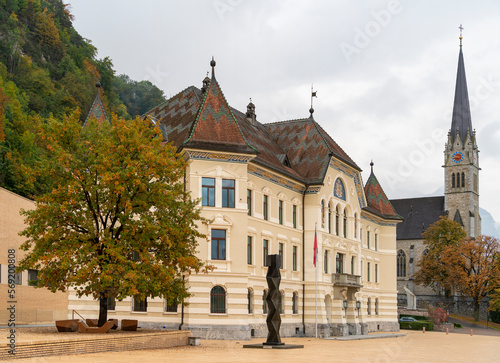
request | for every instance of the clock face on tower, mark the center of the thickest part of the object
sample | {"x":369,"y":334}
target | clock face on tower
{"x":458,"y":157}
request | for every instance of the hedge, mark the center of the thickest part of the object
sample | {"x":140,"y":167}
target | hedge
{"x":416,"y":325}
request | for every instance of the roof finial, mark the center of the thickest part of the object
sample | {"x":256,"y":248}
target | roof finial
{"x":212,"y":64}
{"x":461,"y":28}
{"x":313,"y":94}
{"x":371,"y":165}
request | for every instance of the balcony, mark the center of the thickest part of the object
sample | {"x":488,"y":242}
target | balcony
{"x":346,"y":280}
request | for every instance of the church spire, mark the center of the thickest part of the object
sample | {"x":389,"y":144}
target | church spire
{"x":461,"y":123}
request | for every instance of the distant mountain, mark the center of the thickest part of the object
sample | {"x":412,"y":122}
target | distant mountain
{"x":489,"y":226}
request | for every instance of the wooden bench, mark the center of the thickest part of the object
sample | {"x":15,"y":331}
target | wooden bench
{"x":67,"y":325}
{"x":94,"y":323}
{"x":129,"y":325}
{"x":84,"y":328}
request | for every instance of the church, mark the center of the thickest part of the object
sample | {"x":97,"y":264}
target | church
{"x":460,"y":201}
{"x":272,"y":188}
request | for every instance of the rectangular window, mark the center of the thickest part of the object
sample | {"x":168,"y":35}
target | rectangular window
{"x":294,"y":216}
{"x":111,"y":302}
{"x":249,"y":250}
{"x":265,"y":251}
{"x":208,"y":192}
{"x":140,"y":305}
{"x":172,"y":307}
{"x":376,"y":242}
{"x":280,"y":251}
{"x":227,"y":193}
{"x":18,"y":278}
{"x":294,"y":258}
{"x":352,"y":265}
{"x":32,"y":277}
{"x":264,"y":207}
{"x":368,"y":271}
{"x":325,"y":262}
{"x":376,"y":272}
{"x":368,"y":239}
{"x":218,"y":244}
{"x":339,"y":267}
{"x":280,"y":211}
{"x":249,"y":201}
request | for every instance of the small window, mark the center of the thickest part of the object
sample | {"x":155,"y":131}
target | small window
{"x":325,"y":262}
{"x":264,"y":302}
{"x":368,"y":271}
{"x":208,"y":192}
{"x":280,"y":212}
{"x":345,"y":224}
{"x":172,"y":307}
{"x":249,"y":250}
{"x":353,"y":264}
{"x":329,"y":217}
{"x":294,"y":216}
{"x":250,"y":301}
{"x":218,"y":244}
{"x":337,"y":221}
{"x":32,"y":277}
{"x":265,"y":207}
{"x":376,"y":242}
{"x":140,"y":305}
{"x":294,"y":258}
{"x":18,"y":278}
{"x":295,"y":303}
{"x":322,"y":214}
{"x":249,"y":201}
{"x":376,"y":272}
{"x":281,"y":254}
{"x":368,"y":239}
{"x":218,"y":300}
{"x":111,"y":302}
{"x":369,"y":306}
{"x":401,"y":264}
{"x":227,"y":193}
{"x":376,"y":306}
{"x":463,"y":180}
{"x":453,"y":180}
{"x":265,"y":251}
{"x":355,"y":225}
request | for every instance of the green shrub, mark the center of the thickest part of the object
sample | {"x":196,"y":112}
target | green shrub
{"x":418,"y":317}
{"x":495,"y":316}
{"x":417,"y":325}
{"x":457,"y":325}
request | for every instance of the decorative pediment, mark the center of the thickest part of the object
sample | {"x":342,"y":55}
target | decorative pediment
{"x":282,"y":195}
{"x":221,"y":173}
{"x":266,"y":190}
{"x":221,"y":220}
{"x":251,"y":185}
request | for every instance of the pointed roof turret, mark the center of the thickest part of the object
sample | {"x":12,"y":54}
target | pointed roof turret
{"x":97,"y":109}
{"x":215,"y":126}
{"x":461,"y":123}
{"x":376,"y":199}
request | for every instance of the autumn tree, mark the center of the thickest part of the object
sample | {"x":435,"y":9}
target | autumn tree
{"x":432,"y":271}
{"x":118,"y":221}
{"x":472,"y":268}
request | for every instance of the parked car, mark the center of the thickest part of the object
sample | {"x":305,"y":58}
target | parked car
{"x":407,"y":319}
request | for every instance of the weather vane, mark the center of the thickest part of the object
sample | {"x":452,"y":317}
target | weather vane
{"x":461,"y":28}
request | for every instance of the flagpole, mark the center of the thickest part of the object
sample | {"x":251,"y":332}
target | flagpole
{"x":316,"y":281}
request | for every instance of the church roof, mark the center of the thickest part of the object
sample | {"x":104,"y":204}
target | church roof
{"x":461,"y":119}
{"x":418,"y":215}
{"x":377,"y":201}
{"x":97,"y":110}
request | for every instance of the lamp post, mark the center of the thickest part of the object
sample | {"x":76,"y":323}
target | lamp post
{"x":346,"y":304}
{"x":358,"y":306}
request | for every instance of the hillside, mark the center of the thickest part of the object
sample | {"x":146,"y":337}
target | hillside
{"x":47,"y":70}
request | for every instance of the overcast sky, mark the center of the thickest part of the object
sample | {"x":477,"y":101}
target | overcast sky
{"x":384,"y":71}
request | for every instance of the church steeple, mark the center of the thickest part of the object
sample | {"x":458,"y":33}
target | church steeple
{"x":461,"y":123}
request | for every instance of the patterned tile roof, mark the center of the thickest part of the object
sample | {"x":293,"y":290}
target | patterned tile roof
{"x":96,"y":111}
{"x":308,"y":147}
{"x":378,"y":202}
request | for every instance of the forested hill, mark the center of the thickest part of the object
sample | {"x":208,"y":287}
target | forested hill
{"x":47,"y":70}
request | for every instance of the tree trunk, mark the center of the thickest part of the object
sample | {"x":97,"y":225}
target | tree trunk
{"x":477,"y":305}
{"x":103,"y":309}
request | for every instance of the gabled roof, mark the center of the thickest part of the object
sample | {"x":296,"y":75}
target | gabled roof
{"x":308,"y":147}
{"x":418,"y":215}
{"x":376,"y":199}
{"x":96,"y":111}
{"x":461,"y":119}
{"x":458,"y":218}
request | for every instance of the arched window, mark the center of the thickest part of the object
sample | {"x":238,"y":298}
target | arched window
{"x":401,"y":263}
{"x":250,"y":301}
{"x":355,"y":225}
{"x":453,"y":180}
{"x":295,"y":303}
{"x":337,"y":221}
{"x":345,"y":223}
{"x":329,"y":217}
{"x":322,"y":214}
{"x":463,"y":180}
{"x":376,"y":306}
{"x":458,"y":180}
{"x":369,"y":306}
{"x":264,"y":302}
{"x":218,"y":300}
